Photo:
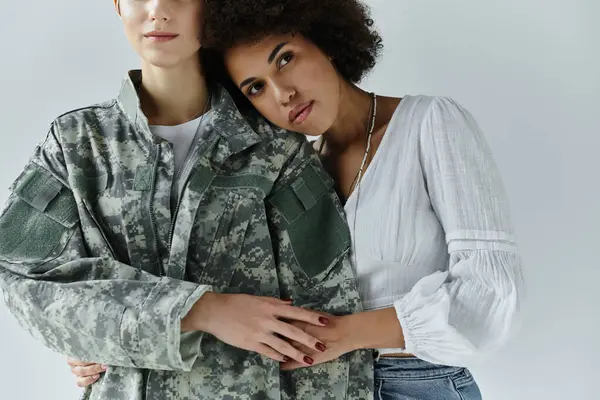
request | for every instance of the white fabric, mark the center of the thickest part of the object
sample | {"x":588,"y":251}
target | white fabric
{"x":433,"y":235}
{"x":181,"y":138}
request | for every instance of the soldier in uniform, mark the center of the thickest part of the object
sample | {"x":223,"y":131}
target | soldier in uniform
{"x":157,"y":233}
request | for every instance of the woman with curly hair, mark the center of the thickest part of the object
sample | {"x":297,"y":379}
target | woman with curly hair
{"x":433,"y":247}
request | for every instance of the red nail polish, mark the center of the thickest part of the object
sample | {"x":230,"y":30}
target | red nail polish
{"x":321,"y":347}
{"x":287,"y":300}
{"x":309,"y":360}
{"x":323,"y":320}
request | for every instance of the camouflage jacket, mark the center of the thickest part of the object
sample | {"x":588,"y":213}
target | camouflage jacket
{"x":95,"y":264}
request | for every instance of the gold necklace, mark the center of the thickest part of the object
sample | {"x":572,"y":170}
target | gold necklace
{"x":360,"y":175}
{"x":368,"y":146}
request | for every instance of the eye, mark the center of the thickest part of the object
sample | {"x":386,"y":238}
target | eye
{"x":285,"y":59}
{"x":254,"y":89}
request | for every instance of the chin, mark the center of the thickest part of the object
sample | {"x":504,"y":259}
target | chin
{"x":304,"y":129}
{"x":159,"y":62}
{"x":316,"y":125}
{"x":162,"y":59}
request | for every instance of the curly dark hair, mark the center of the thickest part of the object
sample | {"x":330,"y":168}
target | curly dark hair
{"x":342,"y":29}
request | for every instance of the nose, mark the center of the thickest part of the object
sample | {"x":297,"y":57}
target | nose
{"x":159,"y":10}
{"x":284,"y":93}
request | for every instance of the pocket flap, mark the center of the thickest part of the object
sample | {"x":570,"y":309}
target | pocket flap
{"x":38,"y":188}
{"x":302,"y":195}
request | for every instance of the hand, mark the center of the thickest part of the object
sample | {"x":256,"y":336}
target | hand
{"x":85,"y":373}
{"x":336,"y":336}
{"x":364,"y":330}
{"x":255,"y":323}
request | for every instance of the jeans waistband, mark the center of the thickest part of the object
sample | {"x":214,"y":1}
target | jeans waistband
{"x":411,"y":368}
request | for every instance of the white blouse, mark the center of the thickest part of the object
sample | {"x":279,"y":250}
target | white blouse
{"x":432,"y":235}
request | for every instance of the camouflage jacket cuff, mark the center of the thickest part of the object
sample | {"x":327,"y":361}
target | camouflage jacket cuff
{"x":151,"y":332}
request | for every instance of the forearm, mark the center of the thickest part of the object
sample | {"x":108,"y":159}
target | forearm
{"x":114,"y":317}
{"x":199,"y":316}
{"x":374,"y":329}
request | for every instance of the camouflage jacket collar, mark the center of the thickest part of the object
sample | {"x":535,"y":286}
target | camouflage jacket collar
{"x":227,"y":119}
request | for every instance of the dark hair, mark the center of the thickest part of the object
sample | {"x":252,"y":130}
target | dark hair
{"x":342,"y":29}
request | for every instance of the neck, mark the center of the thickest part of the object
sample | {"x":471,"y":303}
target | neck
{"x":353,"y":119}
{"x":172,"y":96}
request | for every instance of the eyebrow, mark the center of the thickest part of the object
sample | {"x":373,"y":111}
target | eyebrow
{"x":247,"y":82}
{"x":272,"y":56}
{"x":276,"y":51}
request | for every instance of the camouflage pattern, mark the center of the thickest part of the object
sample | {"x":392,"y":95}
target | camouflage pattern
{"x":95,"y":264}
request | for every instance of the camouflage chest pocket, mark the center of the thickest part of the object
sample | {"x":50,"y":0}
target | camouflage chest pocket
{"x":218,"y":246}
{"x":310,"y":227}
{"x":39,"y":220}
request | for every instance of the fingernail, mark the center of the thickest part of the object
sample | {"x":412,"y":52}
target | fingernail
{"x":309,"y":360}
{"x":321,"y":347}
{"x":288,"y":300}
{"x":323,"y":320}
{"x":286,"y":359}
{"x":104,"y":367}
{"x":96,"y":376}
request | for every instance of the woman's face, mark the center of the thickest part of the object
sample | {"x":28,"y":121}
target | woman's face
{"x":162,"y":32}
{"x":289,"y":80}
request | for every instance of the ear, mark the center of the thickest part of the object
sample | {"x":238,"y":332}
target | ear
{"x":117,"y":4}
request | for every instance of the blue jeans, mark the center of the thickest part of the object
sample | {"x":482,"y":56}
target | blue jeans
{"x":414,"y":379}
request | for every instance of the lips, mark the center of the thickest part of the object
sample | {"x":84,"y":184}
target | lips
{"x":159,"y":36}
{"x":300,"y":113}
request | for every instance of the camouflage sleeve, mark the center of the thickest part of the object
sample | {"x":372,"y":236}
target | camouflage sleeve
{"x":93,"y":309}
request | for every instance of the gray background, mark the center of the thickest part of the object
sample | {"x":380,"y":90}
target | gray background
{"x":527,"y":69}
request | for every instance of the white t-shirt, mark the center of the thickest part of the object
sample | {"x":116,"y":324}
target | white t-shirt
{"x":183,"y":137}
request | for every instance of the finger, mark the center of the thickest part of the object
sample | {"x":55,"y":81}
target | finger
{"x":304,"y":349}
{"x":293,"y":364}
{"x":267,"y":351}
{"x":293,"y":333}
{"x":74,"y":363}
{"x":287,"y":349}
{"x":300,"y":314}
{"x":83,"y":382}
{"x":278,"y":302}
{"x":89,"y":370}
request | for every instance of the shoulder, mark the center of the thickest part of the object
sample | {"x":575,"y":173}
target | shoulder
{"x":443,"y":129}
{"x":268,"y":150}
{"x":237,"y":117}
{"x":92,"y":111}
{"x":69,"y":124}
{"x":273,"y":136}
{"x":435,"y":116}
{"x":432,"y":108}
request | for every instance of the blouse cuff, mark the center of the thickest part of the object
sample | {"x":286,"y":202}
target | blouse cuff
{"x":423,"y":315}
